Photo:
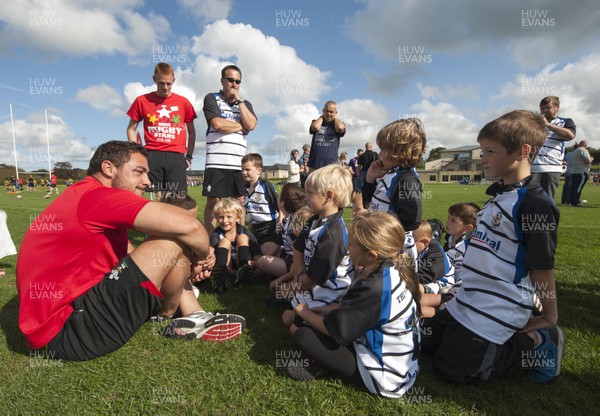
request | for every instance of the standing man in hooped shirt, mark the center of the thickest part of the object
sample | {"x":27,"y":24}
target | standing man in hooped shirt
{"x":230,"y":118}
{"x":168,"y":121}
{"x":547,"y":166}
{"x":327,"y":130}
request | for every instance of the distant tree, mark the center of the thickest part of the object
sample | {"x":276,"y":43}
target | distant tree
{"x":436,"y":153}
{"x":595,"y":153}
{"x":63,"y":170}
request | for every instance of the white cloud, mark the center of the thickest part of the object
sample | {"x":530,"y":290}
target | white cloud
{"x":445,"y":125}
{"x":273,"y":74}
{"x":32,"y":149}
{"x":79,"y":28}
{"x":102,"y":97}
{"x":207,"y":9}
{"x":576,"y":84}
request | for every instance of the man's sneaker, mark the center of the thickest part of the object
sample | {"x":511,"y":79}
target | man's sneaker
{"x":548,"y":355}
{"x":243,"y":276}
{"x":218,"y":277}
{"x":206,"y":326}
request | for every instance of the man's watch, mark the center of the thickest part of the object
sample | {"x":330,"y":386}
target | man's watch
{"x":189,"y":157}
{"x":238,"y":102}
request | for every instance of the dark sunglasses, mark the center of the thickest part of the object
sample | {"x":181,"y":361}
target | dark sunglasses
{"x":232,"y":80}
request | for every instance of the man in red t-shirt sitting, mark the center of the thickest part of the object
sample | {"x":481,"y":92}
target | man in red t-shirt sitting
{"x":167,"y":117}
{"x":93,"y":290}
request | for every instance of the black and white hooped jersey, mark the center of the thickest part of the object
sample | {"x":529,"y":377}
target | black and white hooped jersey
{"x":516,"y":232}
{"x":218,"y":234}
{"x":434,"y":268}
{"x":326,"y":259}
{"x":223,"y":150}
{"x":552,"y":153}
{"x":378,"y":316}
{"x":261,"y":204}
{"x":399,"y":193}
{"x":455,"y":250}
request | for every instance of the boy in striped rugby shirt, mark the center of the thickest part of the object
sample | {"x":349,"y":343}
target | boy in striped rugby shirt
{"x":488,"y":329}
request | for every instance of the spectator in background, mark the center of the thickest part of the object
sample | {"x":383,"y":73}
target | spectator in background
{"x":581,"y":162}
{"x":327,"y":130}
{"x":294,"y":167}
{"x":547,"y":166}
{"x":304,"y":164}
{"x":566,"y":193}
{"x":365,"y":160}
{"x":355,"y":169}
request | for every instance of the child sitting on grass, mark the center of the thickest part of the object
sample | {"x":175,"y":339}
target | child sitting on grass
{"x":462,"y":218}
{"x":372,"y":336}
{"x":234,"y":245}
{"x":283,"y":285}
{"x":320,"y":255}
{"x":489,"y":329}
{"x":434,"y":269}
{"x":461,"y":222}
{"x":292,"y":198}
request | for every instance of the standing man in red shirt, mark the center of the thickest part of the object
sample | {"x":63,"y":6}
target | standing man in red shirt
{"x":167,"y":118}
{"x":93,"y":290}
{"x":53,"y":183}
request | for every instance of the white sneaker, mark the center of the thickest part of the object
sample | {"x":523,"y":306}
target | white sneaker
{"x":206,"y":326}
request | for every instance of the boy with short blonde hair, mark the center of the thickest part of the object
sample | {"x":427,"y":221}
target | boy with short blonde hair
{"x":320,"y":254}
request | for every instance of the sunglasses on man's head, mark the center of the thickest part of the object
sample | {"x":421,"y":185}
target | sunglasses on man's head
{"x":233,"y":80}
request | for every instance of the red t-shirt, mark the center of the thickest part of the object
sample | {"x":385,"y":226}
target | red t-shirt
{"x":67,"y":249}
{"x":165,"y":120}
{"x":53,"y":180}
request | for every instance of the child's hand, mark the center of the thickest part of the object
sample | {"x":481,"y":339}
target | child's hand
{"x":375,"y":171}
{"x":538,"y":322}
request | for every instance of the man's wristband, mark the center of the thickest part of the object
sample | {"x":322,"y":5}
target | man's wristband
{"x":189,"y":157}
{"x":300,"y":274}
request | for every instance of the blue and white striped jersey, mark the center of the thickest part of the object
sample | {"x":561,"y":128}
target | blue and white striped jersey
{"x":552,"y":153}
{"x":516,"y":233}
{"x":378,"y":316}
{"x":261,"y":204}
{"x":326,"y":259}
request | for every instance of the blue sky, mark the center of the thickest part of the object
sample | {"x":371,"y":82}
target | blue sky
{"x":454,"y":64}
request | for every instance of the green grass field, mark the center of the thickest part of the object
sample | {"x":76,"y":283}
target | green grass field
{"x":155,"y":375}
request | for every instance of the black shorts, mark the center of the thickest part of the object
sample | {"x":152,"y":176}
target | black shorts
{"x":287,"y":259}
{"x":167,"y":171}
{"x":108,"y":315}
{"x":223,"y":183}
{"x":266,"y":232}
